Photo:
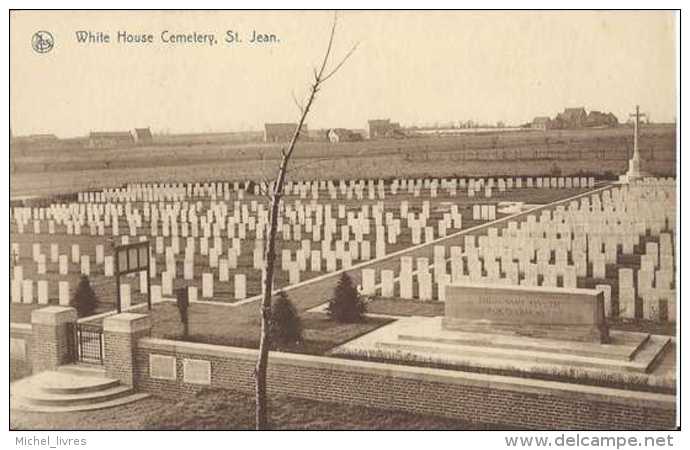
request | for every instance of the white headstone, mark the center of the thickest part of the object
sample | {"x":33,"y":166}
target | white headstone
{"x":207,"y":285}
{"x":63,"y":293}
{"x":240,"y":286}
{"x":42,"y":292}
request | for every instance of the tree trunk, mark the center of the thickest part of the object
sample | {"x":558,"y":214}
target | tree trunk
{"x":261,"y":369}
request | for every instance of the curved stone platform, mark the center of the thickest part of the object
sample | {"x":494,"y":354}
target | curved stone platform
{"x":70,"y":388}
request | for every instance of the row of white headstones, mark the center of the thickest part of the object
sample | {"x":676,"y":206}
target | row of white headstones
{"x":353,"y":189}
{"x":293,"y":267}
{"x":522,"y":253}
{"x":215,"y":219}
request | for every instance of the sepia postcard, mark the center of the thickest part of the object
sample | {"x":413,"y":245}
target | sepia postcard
{"x":345,"y":220}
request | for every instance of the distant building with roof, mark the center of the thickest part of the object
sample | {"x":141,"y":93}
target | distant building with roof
{"x":384,"y":128}
{"x":541,"y":123}
{"x":143,"y":136}
{"x":106,"y":139}
{"x":573,"y":117}
{"x":282,"y":132}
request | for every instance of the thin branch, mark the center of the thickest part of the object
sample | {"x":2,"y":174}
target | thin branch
{"x":298,"y":104}
{"x":330,"y":46}
{"x":340,"y":64}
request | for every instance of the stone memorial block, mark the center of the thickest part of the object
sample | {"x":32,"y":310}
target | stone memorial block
{"x":554,"y":313}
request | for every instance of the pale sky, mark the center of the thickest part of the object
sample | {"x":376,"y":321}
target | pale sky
{"x":412,"y":67}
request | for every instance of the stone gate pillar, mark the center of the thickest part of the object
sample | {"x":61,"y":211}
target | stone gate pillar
{"x":52,"y":330}
{"x":120,"y":335}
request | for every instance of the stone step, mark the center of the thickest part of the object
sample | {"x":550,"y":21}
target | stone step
{"x":18,"y":405}
{"x":653,"y":349}
{"x":42,"y":397}
{"x":65,"y":383}
{"x":624,"y":347}
{"x":81,"y":369}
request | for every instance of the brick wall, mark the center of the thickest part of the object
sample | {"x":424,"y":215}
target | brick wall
{"x":475,"y":397}
{"x":20,"y":350}
{"x":56,"y":346}
{"x":120,"y":335}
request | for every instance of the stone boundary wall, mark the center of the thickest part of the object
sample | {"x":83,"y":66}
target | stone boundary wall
{"x":20,"y":350}
{"x":182,"y":369}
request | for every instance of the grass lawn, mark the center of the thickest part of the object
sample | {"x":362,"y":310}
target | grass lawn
{"x":132,"y":416}
{"x":222,"y":325}
{"x":405,"y":307}
{"x":232,"y":410}
{"x":21,"y":312}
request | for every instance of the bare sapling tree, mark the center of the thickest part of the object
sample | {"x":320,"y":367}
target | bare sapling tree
{"x":321,"y":74}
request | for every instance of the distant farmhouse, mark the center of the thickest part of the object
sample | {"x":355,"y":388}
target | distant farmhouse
{"x":336,"y":135}
{"x":282,"y":132}
{"x":573,"y":118}
{"x":106,"y":139}
{"x":384,"y":128}
{"x":143,"y":136}
{"x":541,"y":123}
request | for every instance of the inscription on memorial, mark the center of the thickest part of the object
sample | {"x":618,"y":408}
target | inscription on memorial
{"x":555,"y":313}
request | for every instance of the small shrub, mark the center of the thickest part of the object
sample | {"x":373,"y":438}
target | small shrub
{"x":286,"y":326}
{"x":346,"y":305}
{"x":84,"y":300}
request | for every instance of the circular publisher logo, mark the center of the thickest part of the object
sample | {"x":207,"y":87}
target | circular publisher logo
{"x":42,"y":41}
